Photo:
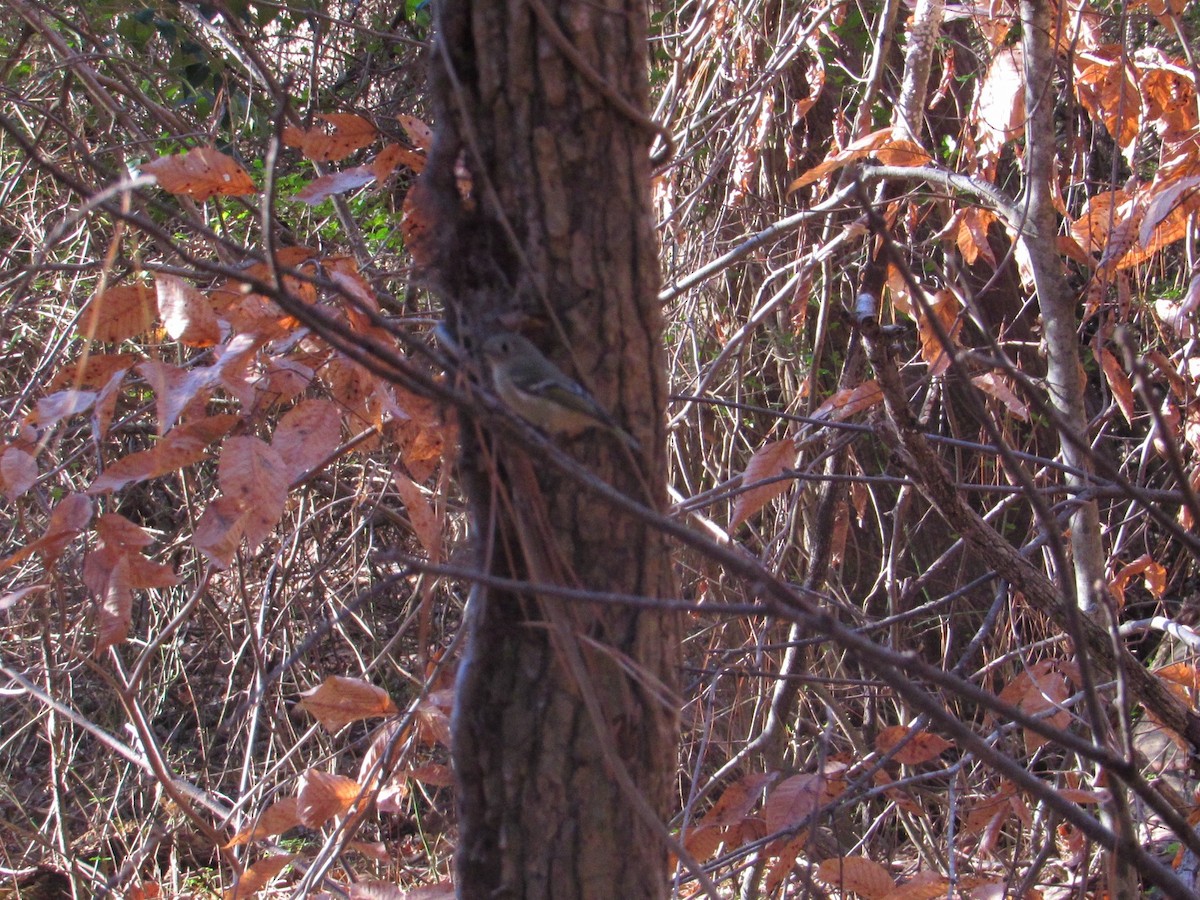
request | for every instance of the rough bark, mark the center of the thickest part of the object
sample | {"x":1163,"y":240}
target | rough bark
{"x":564,"y":731}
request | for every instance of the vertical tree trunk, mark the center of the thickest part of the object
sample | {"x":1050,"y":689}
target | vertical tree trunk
{"x":564,"y":734}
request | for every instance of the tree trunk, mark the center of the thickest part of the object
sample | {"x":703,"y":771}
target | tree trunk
{"x":564,"y":728}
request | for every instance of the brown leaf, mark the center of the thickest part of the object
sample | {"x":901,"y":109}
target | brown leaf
{"x":339,"y":701}
{"x":67,"y":521}
{"x":924,"y":747}
{"x":1036,"y":690}
{"x":219,"y":531}
{"x":971,"y":236}
{"x":326,"y":186}
{"x":350,"y":132}
{"x":850,"y":402}
{"x":91,"y":371}
{"x":394,"y":155}
{"x":434,"y":774}
{"x":944,"y":307}
{"x":307,"y":435}
{"x":60,"y":405}
{"x":258,"y":876}
{"x":768,"y":461}
{"x":417,"y":225}
{"x":858,"y":875}
{"x":322,"y":796}
{"x":996,"y":384}
{"x":253,"y":474}
{"x":105,"y":406}
{"x":176,"y":388}
{"x":186,"y":314}
{"x":9,"y":599}
{"x":114,"y":596}
{"x":281,"y":816}
{"x":114,"y":569}
{"x":1154,"y":577}
{"x":793,"y":800}
{"x":119,"y":313}
{"x":425,"y":521}
{"x":201,"y":172}
{"x":18,"y":472}
{"x":999,"y":114}
{"x":183,"y":446}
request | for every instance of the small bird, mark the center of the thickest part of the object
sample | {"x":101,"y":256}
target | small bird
{"x":540,"y":393}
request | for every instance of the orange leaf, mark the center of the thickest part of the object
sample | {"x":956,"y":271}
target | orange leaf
{"x":850,"y":402}
{"x":186,"y":314}
{"x":322,"y":796}
{"x":856,"y":150}
{"x":425,"y":521}
{"x":418,"y":132}
{"x":350,"y":132}
{"x":339,"y":701}
{"x":258,"y":876}
{"x":1118,"y":383}
{"x":281,"y":816}
{"x":1036,"y":690}
{"x":306,"y":436}
{"x":793,"y":800}
{"x":201,"y":172}
{"x":923,"y":747}
{"x":67,"y":521}
{"x":767,"y":462}
{"x":182,"y":447}
{"x":18,"y":472}
{"x":859,"y":875}
{"x":119,"y":313}
{"x":996,"y":385}
{"x":394,"y":155}
{"x":254,"y":475}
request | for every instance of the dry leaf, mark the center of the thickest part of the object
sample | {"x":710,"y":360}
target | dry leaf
{"x":767,"y":462}
{"x":258,"y":876}
{"x":335,"y":183}
{"x":307,"y":435}
{"x":350,"y":132}
{"x":18,"y":472}
{"x":339,"y":701}
{"x":859,"y":875}
{"x":119,"y":313}
{"x":201,"y":172}
{"x":186,"y":314}
{"x":182,"y":446}
{"x":322,"y":796}
{"x":425,"y":522}
{"x":922,"y":748}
